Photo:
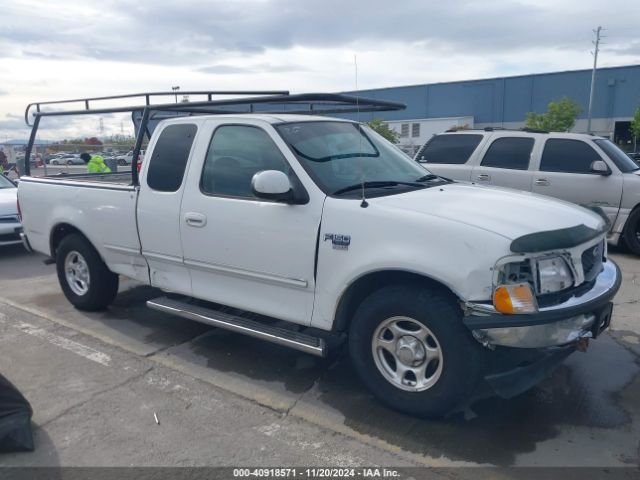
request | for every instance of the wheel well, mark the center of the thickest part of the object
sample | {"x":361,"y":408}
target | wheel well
{"x":58,"y":233}
{"x":367,"y":284}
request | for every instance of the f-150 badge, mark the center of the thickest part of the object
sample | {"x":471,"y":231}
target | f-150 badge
{"x":340,"y":242}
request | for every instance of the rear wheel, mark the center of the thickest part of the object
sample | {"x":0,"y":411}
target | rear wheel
{"x":84,"y":278}
{"x":122,"y":162}
{"x":632,"y":232}
{"x":409,"y":346}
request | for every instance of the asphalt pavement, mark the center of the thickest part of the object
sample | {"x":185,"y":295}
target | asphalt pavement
{"x":98,"y":381}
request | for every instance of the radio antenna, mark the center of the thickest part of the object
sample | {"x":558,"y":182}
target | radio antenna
{"x":364,"y":203}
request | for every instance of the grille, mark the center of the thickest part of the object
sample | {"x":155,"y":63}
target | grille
{"x":592,"y":261}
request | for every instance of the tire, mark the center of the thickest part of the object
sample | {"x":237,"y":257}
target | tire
{"x":447,"y":381}
{"x":69,"y":162}
{"x":122,"y":162}
{"x":95,"y":286}
{"x":632,"y":232}
{"x":54,"y":162}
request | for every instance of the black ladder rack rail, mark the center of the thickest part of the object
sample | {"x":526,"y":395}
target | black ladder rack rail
{"x":269,"y":102}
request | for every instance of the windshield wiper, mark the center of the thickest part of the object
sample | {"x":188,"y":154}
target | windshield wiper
{"x":376,"y":184}
{"x":431,"y":176}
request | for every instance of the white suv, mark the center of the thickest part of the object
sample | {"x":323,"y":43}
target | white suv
{"x":584,"y":169}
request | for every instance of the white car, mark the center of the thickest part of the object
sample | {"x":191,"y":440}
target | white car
{"x":584,"y":169}
{"x":10,"y":227}
{"x":314,"y":228}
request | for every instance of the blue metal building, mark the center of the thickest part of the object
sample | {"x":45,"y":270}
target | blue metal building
{"x":505,"y":101}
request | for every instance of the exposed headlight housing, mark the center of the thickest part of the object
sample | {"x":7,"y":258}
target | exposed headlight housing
{"x":518,"y":284}
{"x":553,"y":275}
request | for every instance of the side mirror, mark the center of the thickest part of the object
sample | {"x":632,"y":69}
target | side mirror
{"x":272,"y":185}
{"x":600,"y":167}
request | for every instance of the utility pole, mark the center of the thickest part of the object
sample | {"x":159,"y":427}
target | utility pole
{"x":596,"y":44}
{"x":175,"y":91}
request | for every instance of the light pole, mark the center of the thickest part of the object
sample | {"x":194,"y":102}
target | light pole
{"x":175,"y":91}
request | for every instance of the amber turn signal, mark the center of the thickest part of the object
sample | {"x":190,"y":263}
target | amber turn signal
{"x":517,"y":298}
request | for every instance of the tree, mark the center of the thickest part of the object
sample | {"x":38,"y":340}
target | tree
{"x":559,"y":117}
{"x":378,"y":126}
{"x":635,"y":129}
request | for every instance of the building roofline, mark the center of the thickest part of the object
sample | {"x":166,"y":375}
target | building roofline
{"x":474,"y":80}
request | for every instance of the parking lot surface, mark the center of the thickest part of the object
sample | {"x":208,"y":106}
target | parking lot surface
{"x":96,"y":380}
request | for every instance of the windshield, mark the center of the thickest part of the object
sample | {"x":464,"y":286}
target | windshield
{"x":5,"y":182}
{"x":341,"y":155}
{"x":621,"y":159}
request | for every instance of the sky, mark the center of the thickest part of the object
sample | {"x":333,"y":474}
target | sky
{"x":64,"y":49}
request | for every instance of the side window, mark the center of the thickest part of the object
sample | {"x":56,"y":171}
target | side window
{"x":170,"y":155}
{"x":509,"y":152}
{"x":236,"y":153}
{"x":449,"y":149}
{"x":571,"y":156}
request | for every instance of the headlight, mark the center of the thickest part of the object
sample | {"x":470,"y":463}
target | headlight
{"x":553,"y":274}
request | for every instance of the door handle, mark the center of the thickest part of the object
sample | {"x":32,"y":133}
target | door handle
{"x":542,"y":182}
{"x":484,"y":177}
{"x":195,"y":219}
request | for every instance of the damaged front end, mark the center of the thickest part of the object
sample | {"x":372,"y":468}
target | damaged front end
{"x":548,"y":301}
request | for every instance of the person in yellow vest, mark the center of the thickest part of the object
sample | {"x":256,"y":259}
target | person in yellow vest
{"x":95,"y":163}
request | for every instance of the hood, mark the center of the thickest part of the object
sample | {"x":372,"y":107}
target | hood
{"x":8,"y":201}
{"x":509,"y":213}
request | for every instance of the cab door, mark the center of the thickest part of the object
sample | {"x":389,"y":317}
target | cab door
{"x":243,"y":251}
{"x":505,"y":162}
{"x":162,"y":182}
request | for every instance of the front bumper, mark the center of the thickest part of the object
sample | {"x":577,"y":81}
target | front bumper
{"x":580,"y":316}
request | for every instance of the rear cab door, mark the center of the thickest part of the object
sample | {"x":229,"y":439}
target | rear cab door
{"x":505,"y":160}
{"x":161,"y":189}
{"x":451,"y":155}
{"x":564,"y":171}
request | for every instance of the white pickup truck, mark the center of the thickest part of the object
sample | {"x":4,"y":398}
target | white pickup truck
{"x":298,"y":229}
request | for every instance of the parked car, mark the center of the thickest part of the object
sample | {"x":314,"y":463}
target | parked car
{"x":584,"y":169}
{"x":10,"y":227}
{"x":68,"y":159}
{"x":127,"y":158}
{"x":313,"y":228}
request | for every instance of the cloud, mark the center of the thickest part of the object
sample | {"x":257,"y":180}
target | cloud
{"x":53,"y":50}
{"x":199,"y":31}
{"x":223,"y":69}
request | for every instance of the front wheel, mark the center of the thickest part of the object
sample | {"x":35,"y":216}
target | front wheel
{"x":84,"y":278}
{"x":122,"y":162}
{"x":632,"y":232}
{"x":409,"y":346}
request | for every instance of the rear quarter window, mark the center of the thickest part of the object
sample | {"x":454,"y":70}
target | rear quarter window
{"x":169,"y":158}
{"x":452,"y":149}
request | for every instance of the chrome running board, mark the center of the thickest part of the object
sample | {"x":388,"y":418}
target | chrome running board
{"x":281,"y":336}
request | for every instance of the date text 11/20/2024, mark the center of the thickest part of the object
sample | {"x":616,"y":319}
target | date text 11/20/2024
{"x":316,"y":472}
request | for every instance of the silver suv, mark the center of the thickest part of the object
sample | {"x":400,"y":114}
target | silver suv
{"x":584,"y":169}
